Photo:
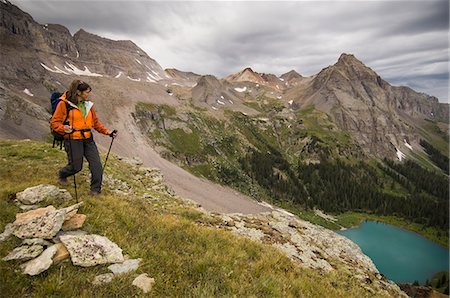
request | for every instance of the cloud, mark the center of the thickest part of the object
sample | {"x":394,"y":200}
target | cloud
{"x":406,"y":42}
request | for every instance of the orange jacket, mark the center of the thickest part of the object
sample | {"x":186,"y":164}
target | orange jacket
{"x":76,"y":120}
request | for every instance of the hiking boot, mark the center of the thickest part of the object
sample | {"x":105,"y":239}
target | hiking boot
{"x":63,"y":181}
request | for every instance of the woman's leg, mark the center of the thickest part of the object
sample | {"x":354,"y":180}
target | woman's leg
{"x":95,"y":165}
{"x":74,"y":150}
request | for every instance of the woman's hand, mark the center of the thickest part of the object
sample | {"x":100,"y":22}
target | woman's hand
{"x":113,"y":133}
{"x":68,"y":128}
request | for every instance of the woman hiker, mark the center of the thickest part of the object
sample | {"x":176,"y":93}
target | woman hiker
{"x":78,"y":140}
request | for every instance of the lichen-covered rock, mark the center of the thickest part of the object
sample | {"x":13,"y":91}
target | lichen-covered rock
{"x":41,"y":263}
{"x":26,"y":215}
{"x":24,"y":253}
{"x":45,"y":225}
{"x":41,"y":223}
{"x":91,"y":250}
{"x":39,"y":193}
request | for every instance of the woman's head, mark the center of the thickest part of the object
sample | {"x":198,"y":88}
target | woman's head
{"x":78,"y":90}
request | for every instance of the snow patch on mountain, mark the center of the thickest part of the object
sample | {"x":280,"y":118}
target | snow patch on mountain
{"x":27,"y":92}
{"x":241,"y":89}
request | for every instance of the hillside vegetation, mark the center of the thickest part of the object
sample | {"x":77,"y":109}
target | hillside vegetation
{"x":185,"y":258}
{"x":300,"y":160}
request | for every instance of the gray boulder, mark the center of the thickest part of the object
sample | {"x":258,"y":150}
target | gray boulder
{"x":39,"y":193}
{"x":91,"y":250}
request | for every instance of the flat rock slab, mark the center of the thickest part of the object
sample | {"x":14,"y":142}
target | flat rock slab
{"x":41,"y":263}
{"x":125,"y":267}
{"x":27,"y":215}
{"x":24,"y":253}
{"x":41,"y":223}
{"x":144,"y":282}
{"x":39,"y":193}
{"x":45,"y":225}
{"x":75,"y":222}
{"x":91,"y":250}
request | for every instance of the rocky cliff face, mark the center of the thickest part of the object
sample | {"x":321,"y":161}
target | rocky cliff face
{"x":380,"y":116}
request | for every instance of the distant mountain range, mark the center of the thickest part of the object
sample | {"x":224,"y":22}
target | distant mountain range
{"x":385,"y":120}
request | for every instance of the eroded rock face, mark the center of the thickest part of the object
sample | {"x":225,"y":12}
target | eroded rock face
{"x":39,"y":193}
{"x":91,"y":250}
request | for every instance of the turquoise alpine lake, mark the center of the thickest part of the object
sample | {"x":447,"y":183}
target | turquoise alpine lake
{"x":401,"y":255}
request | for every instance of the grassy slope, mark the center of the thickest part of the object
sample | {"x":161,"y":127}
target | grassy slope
{"x":314,"y":124}
{"x":185,"y":258}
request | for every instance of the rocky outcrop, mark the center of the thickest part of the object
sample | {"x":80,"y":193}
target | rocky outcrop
{"x":309,"y":245}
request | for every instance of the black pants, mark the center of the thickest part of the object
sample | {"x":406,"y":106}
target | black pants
{"x":76,"y":149}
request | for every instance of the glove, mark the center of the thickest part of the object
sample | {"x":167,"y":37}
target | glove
{"x":113,"y":134}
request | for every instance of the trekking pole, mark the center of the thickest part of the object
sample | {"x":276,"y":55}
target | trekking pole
{"x":107,"y":155}
{"x":74,"y":179}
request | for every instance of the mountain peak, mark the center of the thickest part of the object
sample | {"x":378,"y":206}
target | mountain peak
{"x":348,"y":59}
{"x":246,"y":75}
{"x":290,"y":75}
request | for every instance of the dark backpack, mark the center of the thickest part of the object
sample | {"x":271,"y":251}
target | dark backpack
{"x":54,"y":100}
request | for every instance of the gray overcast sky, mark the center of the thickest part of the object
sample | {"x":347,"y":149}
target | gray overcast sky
{"x":405,"y":42}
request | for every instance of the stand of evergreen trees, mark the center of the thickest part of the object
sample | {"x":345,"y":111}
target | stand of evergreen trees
{"x":436,"y":156}
{"x":337,"y":186}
